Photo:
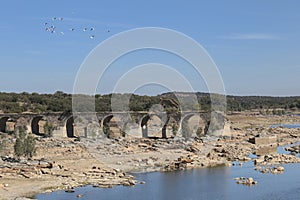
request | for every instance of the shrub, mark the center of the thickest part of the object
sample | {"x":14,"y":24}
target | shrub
{"x":174,"y":128}
{"x":29,"y":146}
{"x":19,"y":147}
{"x":48,"y":128}
{"x":25,"y":144}
{"x":199,"y":132}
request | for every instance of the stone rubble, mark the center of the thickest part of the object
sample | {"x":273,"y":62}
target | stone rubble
{"x":293,"y":149}
{"x":276,"y":159}
{"x":270,"y":169}
{"x":245,"y":181}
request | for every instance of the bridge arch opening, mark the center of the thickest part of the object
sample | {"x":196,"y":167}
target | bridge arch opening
{"x":38,"y":125}
{"x":110,"y":127}
{"x":3,"y":124}
{"x":144,"y":126}
{"x":7,"y":125}
{"x":192,"y":125}
{"x":70,"y":127}
{"x":151,"y":126}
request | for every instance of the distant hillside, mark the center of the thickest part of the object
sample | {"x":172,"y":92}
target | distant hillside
{"x":241,"y":103}
{"x":62,"y":102}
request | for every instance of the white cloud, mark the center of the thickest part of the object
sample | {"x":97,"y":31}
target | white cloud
{"x":252,"y":36}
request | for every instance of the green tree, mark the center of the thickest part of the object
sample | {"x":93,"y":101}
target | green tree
{"x":29,"y":145}
{"x":19,"y":147}
{"x":174,"y":128}
{"x":21,"y":133}
{"x":25,"y":144}
{"x":48,"y":128}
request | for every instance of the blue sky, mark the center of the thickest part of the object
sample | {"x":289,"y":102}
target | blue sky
{"x":255,"y":44}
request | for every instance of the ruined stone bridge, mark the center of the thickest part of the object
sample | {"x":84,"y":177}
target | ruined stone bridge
{"x":111,"y":124}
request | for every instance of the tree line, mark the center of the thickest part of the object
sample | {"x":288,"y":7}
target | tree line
{"x":62,"y":102}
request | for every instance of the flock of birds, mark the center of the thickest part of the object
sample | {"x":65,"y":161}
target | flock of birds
{"x":51,"y":28}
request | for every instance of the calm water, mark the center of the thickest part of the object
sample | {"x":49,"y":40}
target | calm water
{"x":287,"y":125}
{"x":213,"y":183}
{"x":281,"y":150}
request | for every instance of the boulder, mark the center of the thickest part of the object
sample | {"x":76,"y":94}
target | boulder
{"x":280,"y":168}
{"x":245,"y":181}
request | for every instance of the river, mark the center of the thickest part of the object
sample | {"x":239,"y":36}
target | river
{"x":286,"y":125}
{"x":208,"y":183}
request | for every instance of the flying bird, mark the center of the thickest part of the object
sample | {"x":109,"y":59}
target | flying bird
{"x":53,"y":29}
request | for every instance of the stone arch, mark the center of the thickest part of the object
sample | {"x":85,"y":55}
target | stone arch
{"x":105,"y":120}
{"x":152,"y":130}
{"x":3,"y":122}
{"x":105,"y":124}
{"x":144,"y":126}
{"x":110,"y":126}
{"x":70,"y":127}
{"x":37,"y":125}
{"x":192,"y":123}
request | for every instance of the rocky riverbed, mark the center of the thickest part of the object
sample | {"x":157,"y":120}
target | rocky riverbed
{"x":58,"y":164}
{"x":67,"y":163}
{"x":293,"y":149}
